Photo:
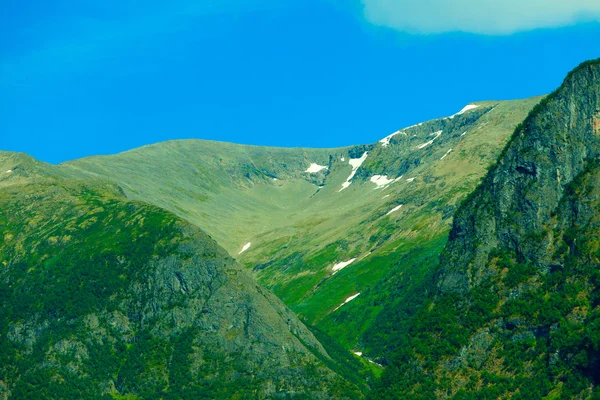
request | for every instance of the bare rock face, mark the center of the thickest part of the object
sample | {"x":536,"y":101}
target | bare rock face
{"x":511,"y":208}
{"x":515,"y":312}
{"x":106,"y":297}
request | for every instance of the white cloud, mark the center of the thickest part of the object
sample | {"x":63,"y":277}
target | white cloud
{"x":492,"y":17}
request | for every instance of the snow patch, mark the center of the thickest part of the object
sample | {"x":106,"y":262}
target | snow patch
{"x":463,"y":134}
{"x":352,"y":297}
{"x":340,"y":266}
{"x":394,"y":209}
{"x":355,"y":163}
{"x":387,"y":195}
{"x":381,"y":180}
{"x":386,"y":140}
{"x":314,"y":168}
{"x":349,"y":299}
{"x":464,"y":110}
{"x":410,"y":179}
{"x":343,"y":159}
{"x":444,"y":156}
{"x":9,"y":171}
{"x":436,"y":134}
{"x":358,"y":353}
{"x":246,"y":247}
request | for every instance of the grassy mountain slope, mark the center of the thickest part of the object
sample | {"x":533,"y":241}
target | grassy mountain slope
{"x":104,"y":297}
{"x":300,"y":224}
{"x":515,"y":309}
{"x":210,"y":183}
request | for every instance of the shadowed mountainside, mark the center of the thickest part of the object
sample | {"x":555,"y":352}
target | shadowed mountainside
{"x":515,"y":310}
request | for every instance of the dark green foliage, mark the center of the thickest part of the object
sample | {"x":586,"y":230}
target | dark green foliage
{"x":104,"y":297}
{"x":522,"y":322}
{"x":343,"y":362}
{"x":388,"y":332}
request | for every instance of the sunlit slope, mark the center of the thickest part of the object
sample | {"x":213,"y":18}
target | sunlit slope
{"x":230,"y":190}
{"x":21,"y":168}
{"x":295,"y":226}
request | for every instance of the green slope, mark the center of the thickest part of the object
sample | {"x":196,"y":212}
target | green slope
{"x":104,"y":297}
{"x":300,"y":224}
{"x":494,"y":298}
{"x":514,"y":309}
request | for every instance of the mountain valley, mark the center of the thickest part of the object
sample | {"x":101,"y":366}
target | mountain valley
{"x":456,"y":258}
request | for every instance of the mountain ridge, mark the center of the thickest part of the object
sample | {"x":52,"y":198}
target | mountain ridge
{"x":290,"y":227}
{"x":333,"y":243}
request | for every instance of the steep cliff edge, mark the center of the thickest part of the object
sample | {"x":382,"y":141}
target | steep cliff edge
{"x":515,"y":309}
{"x":511,"y":208}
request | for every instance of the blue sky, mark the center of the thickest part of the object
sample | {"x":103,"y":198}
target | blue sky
{"x":83,"y":77}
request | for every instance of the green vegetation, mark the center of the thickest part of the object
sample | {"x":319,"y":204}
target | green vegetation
{"x":300,"y":225}
{"x":111,"y":296}
{"x":515,"y":307}
{"x":116,"y":299}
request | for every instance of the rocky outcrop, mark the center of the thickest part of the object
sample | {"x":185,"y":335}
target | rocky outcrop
{"x":106,"y":297}
{"x":510,"y":209}
{"x":515,"y":312}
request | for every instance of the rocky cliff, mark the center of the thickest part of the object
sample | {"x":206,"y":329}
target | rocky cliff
{"x":104,"y":297}
{"x":510,"y":210}
{"x":515,"y":308}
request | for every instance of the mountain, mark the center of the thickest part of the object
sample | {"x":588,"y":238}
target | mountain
{"x":320,"y":226}
{"x":106,"y":297}
{"x":114,"y":288}
{"x":514,"y":307}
